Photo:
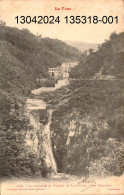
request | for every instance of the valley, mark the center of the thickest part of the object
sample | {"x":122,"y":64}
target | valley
{"x":59,"y":123}
{"x":32,"y":138}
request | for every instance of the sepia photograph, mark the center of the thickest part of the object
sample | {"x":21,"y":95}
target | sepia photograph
{"x":62,"y":97}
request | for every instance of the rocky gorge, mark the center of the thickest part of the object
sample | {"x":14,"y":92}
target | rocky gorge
{"x":67,"y":130}
{"x":38,"y":139}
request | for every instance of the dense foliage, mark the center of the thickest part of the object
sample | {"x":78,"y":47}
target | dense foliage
{"x":87,"y":127}
{"x":84,"y":108}
{"x":16,"y":160}
{"x":24,"y":57}
{"x":37,"y":54}
{"x":88,"y":123}
{"x":109,"y":59}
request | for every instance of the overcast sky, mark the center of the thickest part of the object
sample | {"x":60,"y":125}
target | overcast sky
{"x":92,"y":33}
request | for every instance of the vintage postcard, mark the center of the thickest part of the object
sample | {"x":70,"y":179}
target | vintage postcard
{"x":62,"y":97}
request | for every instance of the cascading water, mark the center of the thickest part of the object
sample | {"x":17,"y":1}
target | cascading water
{"x":47,"y":144}
{"x":41,"y":138}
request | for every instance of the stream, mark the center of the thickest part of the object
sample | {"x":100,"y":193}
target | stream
{"x":33,"y":105}
{"x":41,"y":139}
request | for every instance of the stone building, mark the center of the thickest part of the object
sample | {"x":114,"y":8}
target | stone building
{"x":62,"y":71}
{"x":55,"y":71}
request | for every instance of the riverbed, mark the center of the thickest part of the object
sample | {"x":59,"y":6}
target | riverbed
{"x":44,"y":142}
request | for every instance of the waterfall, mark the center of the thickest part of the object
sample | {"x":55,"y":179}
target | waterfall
{"x":40,"y":143}
{"x":39,"y":139}
{"x":47,"y":143}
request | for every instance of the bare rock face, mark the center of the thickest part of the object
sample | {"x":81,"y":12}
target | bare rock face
{"x":33,"y":136}
{"x":74,"y":133}
{"x":38,"y":140}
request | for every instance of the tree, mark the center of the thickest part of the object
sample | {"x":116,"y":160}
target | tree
{"x":85,"y":53}
{"x":91,"y":51}
{"x":113,"y":35}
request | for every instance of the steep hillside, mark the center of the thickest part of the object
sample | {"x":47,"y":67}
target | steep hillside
{"x":36,"y":53}
{"x":88,"y":122}
{"x":88,"y":127}
{"x":15,"y":79}
{"x":24,"y":57}
{"x":108,"y":60}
